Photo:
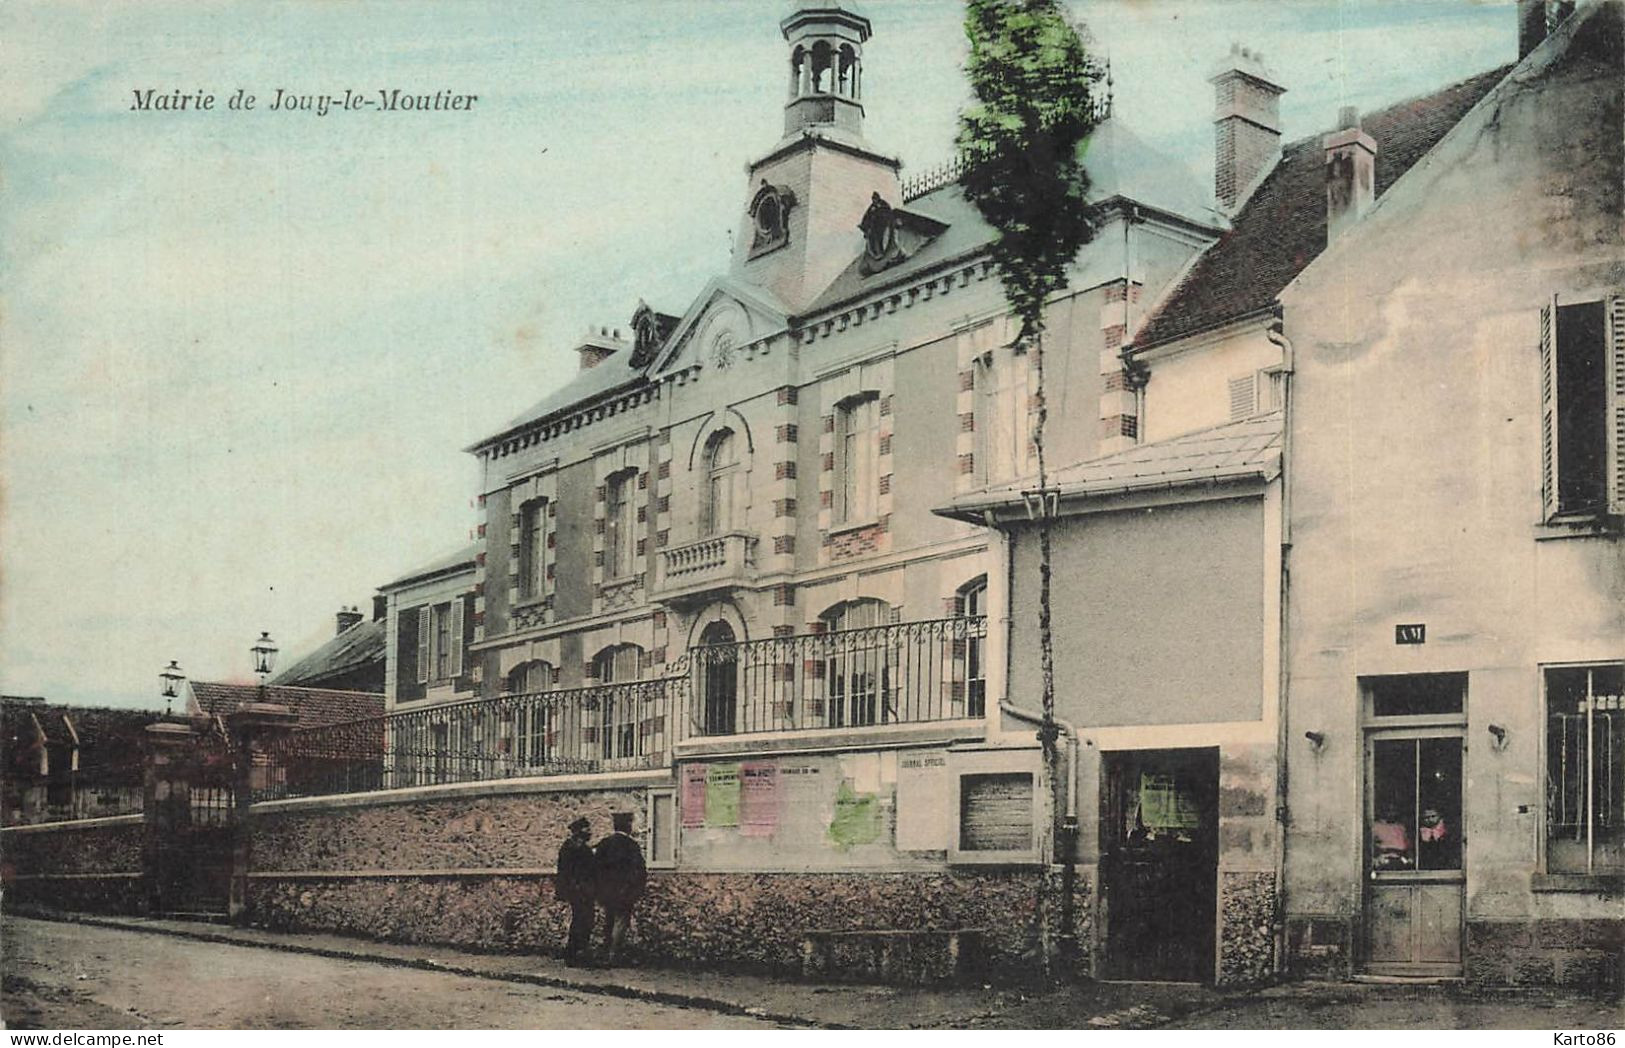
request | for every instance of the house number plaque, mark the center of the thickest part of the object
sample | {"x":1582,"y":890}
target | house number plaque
{"x":1411,"y":633}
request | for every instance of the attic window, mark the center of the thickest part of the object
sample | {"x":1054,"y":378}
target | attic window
{"x":1243,"y":397}
{"x":879,"y":228}
{"x":770,"y":218}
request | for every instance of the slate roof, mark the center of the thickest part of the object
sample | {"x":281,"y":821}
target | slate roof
{"x":460,"y":558}
{"x":1282,"y":226}
{"x":315,"y":706}
{"x":1119,"y":165}
{"x":357,"y":646}
{"x":1249,"y":448}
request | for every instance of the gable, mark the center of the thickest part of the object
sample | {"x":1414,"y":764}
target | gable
{"x":726,"y":314}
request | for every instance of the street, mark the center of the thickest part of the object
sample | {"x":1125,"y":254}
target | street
{"x":75,"y":976}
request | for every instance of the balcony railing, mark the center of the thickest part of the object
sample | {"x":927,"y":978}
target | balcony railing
{"x":718,"y":560}
{"x":904,"y":673}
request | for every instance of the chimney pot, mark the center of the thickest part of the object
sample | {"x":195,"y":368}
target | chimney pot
{"x":347,"y":617}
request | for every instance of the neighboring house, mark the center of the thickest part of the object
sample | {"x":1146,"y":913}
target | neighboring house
{"x":352,"y":660}
{"x":1456,"y":440}
{"x":70,"y":762}
{"x":314,"y":707}
{"x":1341,"y":445}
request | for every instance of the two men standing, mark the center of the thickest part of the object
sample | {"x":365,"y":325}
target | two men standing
{"x":613,"y":875}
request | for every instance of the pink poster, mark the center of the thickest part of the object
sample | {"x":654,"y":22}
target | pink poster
{"x":759,"y":800}
{"x":693,"y":796}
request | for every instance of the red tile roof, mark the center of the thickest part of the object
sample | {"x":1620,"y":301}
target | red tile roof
{"x":1282,"y":227}
{"x":315,"y":706}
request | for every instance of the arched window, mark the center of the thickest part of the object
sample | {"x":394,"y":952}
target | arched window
{"x":617,"y":714}
{"x":823,"y":76}
{"x":857,"y":670}
{"x":847,"y":84}
{"x":721,"y":476}
{"x":528,"y":732}
{"x":719,"y":679}
{"x":973,"y":605}
{"x":857,"y":458}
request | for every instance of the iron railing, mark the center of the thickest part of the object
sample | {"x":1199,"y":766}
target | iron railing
{"x":608,"y":727}
{"x":902,"y":673}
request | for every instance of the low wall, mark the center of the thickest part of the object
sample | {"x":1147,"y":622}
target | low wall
{"x":91,"y":865}
{"x":474,"y":870}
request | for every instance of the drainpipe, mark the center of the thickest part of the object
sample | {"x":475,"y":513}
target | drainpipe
{"x":1069,"y":825}
{"x":1277,"y":335}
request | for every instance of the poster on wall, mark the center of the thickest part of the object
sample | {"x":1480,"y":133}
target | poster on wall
{"x":923,"y":822}
{"x":722,"y":795}
{"x":758,"y":798}
{"x":693,"y":799}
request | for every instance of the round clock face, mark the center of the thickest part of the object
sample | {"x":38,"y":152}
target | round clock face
{"x":722,"y":350}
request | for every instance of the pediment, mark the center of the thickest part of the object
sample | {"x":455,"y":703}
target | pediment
{"x":725,"y":318}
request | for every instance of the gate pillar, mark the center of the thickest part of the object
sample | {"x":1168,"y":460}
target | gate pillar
{"x":256,"y":728}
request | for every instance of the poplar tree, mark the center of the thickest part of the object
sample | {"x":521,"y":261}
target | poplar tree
{"x":1021,"y":144}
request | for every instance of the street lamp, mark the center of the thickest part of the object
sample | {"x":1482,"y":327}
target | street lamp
{"x":264,"y":651}
{"x":171,"y":676}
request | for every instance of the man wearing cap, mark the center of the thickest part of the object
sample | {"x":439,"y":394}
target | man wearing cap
{"x":622,"y":877}
{"x":574,"y":885}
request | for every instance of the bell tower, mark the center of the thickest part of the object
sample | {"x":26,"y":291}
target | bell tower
{"x":826,"y":68}
{"x":807,"y":196}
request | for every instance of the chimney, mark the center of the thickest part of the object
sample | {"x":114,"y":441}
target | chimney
{"x":1531,"y":25}
{"x":380,"y":607}
{"x":348,"y":617}
{"x":599,"y":345}
{"x":1246,"y":123}
{"x":1351,"y":173}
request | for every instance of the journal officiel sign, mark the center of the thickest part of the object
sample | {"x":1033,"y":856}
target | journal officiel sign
{"x":283,"y":100}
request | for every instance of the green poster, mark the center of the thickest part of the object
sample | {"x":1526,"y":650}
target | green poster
{"x":857,"y":818}
{"x":722,"y":795}
{"x":1164,"y":806}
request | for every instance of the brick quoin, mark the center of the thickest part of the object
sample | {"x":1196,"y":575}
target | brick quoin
{"x":479,"y":589}
{"x":784,"y":507}
{"x":553,"y":508}
{"x":643,"y":547}
{"x":643,"y":481}
{"x":480,"y":531}
{"x":550,"y":571}
{"x":885,"y":444}
{"x":787,"y":395}
{"x":829,"y":423}
{"x":479,"y":559}
{"x":784,"y":471}
{"x":600,"y":493}
{"x":967,"y":464}
{"x":885,"y":405}
{"x":1119,"y":426}
{"x":784,"y":544}
{"x":1114,"y":335}
{"x":967,"y":422}
{"x":661,"y":536}
{"x":828,"y":463}
{"x":479,"y":618}
{"x":660,"y":655}
{"x":663,"y":504}
{"x":826,"y":500}
{"x":665,"y":470}
{"x":786,"y":433}
{"x":967,"y":381}
{"x":784,"y":631}
{"x":784,"y":595}
{"x":599,"y":525}
{"x":643,"y":514}
{"x":885,"y":484}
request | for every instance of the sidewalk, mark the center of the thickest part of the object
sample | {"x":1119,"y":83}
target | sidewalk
{"x":850,"y":1006}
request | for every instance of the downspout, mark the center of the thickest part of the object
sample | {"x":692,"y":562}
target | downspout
{"x":1069,"y":826}
{"x":1277,"y":335}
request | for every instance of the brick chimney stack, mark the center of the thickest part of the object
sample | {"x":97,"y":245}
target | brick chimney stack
{"x":599,"y":345}
{"x":1351,"y":173}
{"x":1246,"y":124}
{"x":348,"y":617}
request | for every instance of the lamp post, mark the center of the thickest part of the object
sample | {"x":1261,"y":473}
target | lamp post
{"x":264,"y":651}
{"x":171,"y":676}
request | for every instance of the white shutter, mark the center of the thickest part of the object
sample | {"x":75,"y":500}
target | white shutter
{"x":1548,"y":409}
{"x":1243,"y":397}
{"x":455,"y":662}
{"x":425,"y":642}
{"x":1616,"y":406}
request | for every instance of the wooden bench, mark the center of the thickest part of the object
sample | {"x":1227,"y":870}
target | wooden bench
{"x":903,"y":957}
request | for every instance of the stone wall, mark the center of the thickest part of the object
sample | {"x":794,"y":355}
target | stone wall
{"x":1246,"y":928}
{"x":93,"y":865}
{"x":1546,"y":952}
{"x":476,"y":872}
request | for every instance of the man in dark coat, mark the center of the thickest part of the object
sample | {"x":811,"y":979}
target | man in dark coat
{"x":621,"y":879}
{"x":575,"y":885}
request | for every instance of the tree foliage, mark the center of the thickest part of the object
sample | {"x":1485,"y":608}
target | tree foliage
{"x":1035,"y":86}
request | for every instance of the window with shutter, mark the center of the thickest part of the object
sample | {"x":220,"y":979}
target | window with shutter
{"x":458,"y":616}
{"x":1582,"y":420}
{"x":1243,"y":397}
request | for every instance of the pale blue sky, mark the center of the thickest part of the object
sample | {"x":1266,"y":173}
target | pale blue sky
{"x":240,"y":353}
